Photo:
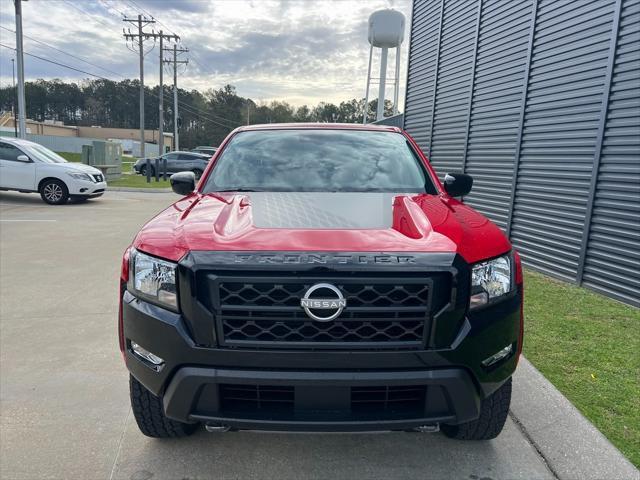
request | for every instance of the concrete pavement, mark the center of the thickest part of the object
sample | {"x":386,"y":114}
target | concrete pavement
{"x":64,"y":406}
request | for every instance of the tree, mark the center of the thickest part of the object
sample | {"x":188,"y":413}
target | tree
{"x":207,"y":117}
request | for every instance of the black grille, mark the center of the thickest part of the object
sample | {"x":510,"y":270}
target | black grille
{"x":98,"y":178}
{"x":289,"y":294}
{"x":388,"y":398}
{"x":404,"y":400}
{"x":251,"y":328}
{"x":266,"y":313}
{"x":256,"y":397}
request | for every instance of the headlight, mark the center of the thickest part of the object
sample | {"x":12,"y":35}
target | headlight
{"x":80,"y":176}
{"x":153,"y":279}
{"x":490,"y":280}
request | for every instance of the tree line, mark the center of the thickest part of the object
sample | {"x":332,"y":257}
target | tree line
{"x":206,"y":117}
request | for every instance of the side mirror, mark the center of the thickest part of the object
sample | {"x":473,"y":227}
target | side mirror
{"x":183,"y":183}
{"x":458,"y":184}
{"x":23,"y":158}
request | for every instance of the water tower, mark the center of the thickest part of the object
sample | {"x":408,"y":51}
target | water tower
{"x":386,"y":30}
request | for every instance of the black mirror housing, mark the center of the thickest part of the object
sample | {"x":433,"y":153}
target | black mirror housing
{"x":458,"y":184}
{"x":183,"y":183}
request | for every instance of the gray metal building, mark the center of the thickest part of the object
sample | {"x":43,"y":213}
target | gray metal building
{"x":539,"y":100}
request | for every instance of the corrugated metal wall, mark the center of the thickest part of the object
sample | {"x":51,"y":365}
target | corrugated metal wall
{"x":612,"y":258}
{"x":539,"y":100}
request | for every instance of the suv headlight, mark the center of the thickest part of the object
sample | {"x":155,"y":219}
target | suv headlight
{"x":80,"y":176}
{"x":153,"y":279}
{"x":491,"y":280}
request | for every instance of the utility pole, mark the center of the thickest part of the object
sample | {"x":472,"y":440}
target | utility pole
{"x":141,"y":22}
{"x":161,"y":36}
{"x":161,"y":104}
{"x":176,"y":62}
{"x":15,"y":97}
{"x":22,"y":112}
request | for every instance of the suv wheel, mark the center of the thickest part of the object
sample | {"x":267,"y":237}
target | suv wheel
{"x":197,"y":172}
{"x":143,"y":171}
{"x":150,"y":417}
{"x":54,"y":192}
{"x":493,"y":413}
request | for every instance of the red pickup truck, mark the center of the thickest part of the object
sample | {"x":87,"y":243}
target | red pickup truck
{"x":319,"y":277}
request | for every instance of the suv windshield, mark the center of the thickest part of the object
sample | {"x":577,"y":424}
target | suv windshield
{"x":45,"y":155}
{"x":319,"y":161}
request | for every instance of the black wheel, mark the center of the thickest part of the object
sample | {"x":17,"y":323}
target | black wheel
{"x":143,"y":171}
{"x":149,"y":415}
{"x":54,"y":192}
{"x":493,"y":413}
{"x":197,"y":172}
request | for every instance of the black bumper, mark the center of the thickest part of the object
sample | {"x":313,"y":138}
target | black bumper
{"x":322,"y":401}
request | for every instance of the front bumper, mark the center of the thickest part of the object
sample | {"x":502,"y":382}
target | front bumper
{"x":320,"y":385}
{"x":321,"y":401}
{"x":87,"y":189}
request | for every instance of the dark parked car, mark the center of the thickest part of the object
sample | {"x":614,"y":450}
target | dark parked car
{"x":176,"y":162}
{"x":205,"y":150}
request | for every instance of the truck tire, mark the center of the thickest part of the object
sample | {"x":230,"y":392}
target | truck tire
{"x":54,"y":191}
{"x":150,"y":417}
{"x":493,"y":413}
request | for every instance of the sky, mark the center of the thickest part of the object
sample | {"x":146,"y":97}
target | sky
{"x":299,"y":51}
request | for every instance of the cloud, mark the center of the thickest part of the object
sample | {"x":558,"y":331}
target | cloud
{"x":300,"y":51}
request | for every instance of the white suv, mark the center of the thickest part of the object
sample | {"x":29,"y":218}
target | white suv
{"x":29,"y":167}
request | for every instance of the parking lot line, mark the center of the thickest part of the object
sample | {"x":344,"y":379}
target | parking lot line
{"x":26,"y":220}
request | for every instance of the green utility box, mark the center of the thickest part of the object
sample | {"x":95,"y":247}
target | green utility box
{"x":105,"y":156}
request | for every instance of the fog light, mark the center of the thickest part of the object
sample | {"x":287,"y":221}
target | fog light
{"x":478,"y":299}
{"x":146,"y":354}
{"x":496,"y":357}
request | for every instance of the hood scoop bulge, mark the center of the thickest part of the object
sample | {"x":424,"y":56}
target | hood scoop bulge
{"x":323,"y":211}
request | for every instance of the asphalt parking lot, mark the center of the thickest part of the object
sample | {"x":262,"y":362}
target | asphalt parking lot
{"x":64,"y":394}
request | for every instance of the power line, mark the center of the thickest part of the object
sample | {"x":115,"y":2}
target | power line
{"x":136,"y":6}
{"x":56,"y":63}
{"x":117,"y":10}
{"x":185,"y":106}
{"x":190,"y":109}
{"x":66,"y":53}
{"x":93,"y":17}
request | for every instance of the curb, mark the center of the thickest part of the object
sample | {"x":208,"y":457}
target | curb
{"x":570,"y":445}
{"x":134,"y":189}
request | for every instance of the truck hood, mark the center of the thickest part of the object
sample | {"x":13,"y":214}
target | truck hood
{"x":321,"y":222}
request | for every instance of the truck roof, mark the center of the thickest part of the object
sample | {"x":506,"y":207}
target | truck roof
{"x":323,"y":126}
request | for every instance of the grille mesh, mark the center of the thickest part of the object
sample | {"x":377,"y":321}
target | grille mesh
{"x":336,"y":331}
{"x":379,"y":314}
{"x":289,"y":294}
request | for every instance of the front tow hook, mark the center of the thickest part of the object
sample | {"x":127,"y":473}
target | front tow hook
{"x":433,"y":428}
{"x":216,"y":428}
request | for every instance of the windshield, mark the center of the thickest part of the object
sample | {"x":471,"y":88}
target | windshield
{"x":45,"y":155}
{"x":319,"y":161}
